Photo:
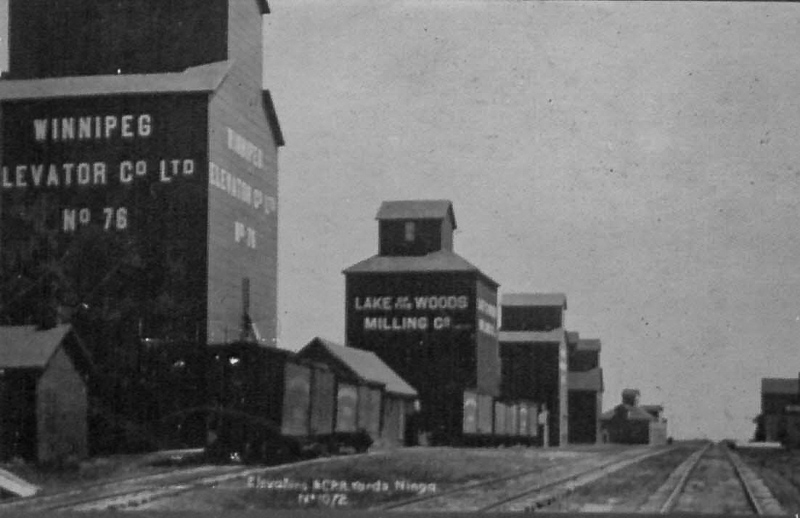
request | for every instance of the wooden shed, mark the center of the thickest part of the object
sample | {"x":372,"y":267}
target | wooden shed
{"x":43,"y":396}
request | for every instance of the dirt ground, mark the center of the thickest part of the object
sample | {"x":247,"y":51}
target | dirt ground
{"x":363,"y":482}
{"x":780,"y":470}
{"x":52,"y":479}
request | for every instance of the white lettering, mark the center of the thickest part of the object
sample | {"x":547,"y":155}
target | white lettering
{"x":145,"y":125}
{"x":52,"y":176}
{"x":163,"y":172}
{"x":84,"y":128}
{"x":69,"y":220}
{"x":486,"y":327}
{"x":442,"y":302}
{"x":90,"y":127}
{"x":83,"y":174}
{"x":125,"y":172}
{"x":6,"y":179}
{"x":99,"y":173}
{"x":36,"y":174}
{"x":127,"y":132}
{"x":68,"y":128}
{"x":20,"y":177}
{"x":111,"y":125}
{"x":487,"y":308}
{"x":245,"y":149}
{"x":236,"y":187}
{"x":68,"y":173}
{"x":40,"y":129}
{"x":395,"y":323}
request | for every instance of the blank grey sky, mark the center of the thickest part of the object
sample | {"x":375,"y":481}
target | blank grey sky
{"x":641,"y":157}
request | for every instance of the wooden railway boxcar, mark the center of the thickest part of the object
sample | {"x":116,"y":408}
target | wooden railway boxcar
{"x":370,"y":396}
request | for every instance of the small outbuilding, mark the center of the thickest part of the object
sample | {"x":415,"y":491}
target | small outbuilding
{"x":629,"y":423}
{"x":777,"y":394}
{"x":43,"y":396}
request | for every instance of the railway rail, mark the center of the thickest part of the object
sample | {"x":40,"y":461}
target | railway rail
{"x":527,"y":490}
{"x":130,"y":492}
{"x":713,"y":477}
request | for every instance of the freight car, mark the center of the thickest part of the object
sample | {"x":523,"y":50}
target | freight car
{"x":492,"y":422}
{"x":261,"y":404}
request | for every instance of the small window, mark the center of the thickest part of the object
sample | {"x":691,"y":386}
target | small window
{"x":410,"y":231}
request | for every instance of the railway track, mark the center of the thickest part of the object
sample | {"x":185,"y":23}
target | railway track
{"x":130,"y":492}
{"x":713,"y":479}
{"x":527,"y":490}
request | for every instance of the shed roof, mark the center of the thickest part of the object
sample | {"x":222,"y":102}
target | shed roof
{"x":653,"y":409}
{"x":784,"y":386}
{"x":366,"y":365}
{"x":535,"y":300}
{"x":28,"y":347}
{"x":554,"y":336}
{"x":591,"y":380}
{"x":589,"y":344}
{"x":439,"y":261}
{"x":634,"y":413}
{"x":417,"y":209}
{"x":573,"y":337}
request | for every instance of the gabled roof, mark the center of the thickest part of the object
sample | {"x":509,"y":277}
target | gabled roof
{"x":634,"y":413}
{"x":365,"y":365}
{"x":589,"y":344}
{"x":654,"y":410}
{"x":534,"y":300}
{"x":27,"y":347}
{"x":204,"y":78}
{"x":417,"y":209}
{"x":591,"y":380}
{"x":785,"y":386}
{"x":272,"y":117}
{"x":439,"y":261}
{"x":554,"y":336}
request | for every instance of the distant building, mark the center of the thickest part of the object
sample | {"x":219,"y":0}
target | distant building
{"x":631,"y":423}
{"x":533,"y":345}
{"x":427,"y":312}
{"x":585,"y":384}
{"x":777,"y":396}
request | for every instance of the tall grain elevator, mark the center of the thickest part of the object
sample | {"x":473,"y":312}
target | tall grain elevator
{"x":427,"y":312}
{"x":139,"y":180}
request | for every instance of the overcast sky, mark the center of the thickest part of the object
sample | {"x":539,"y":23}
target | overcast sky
{"x":641,"y":157}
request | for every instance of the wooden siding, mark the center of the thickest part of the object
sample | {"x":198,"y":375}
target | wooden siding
{"x":238,"y":106}
{"x":488,"y":346}
{"x":61,"y":407}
